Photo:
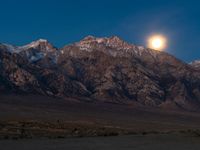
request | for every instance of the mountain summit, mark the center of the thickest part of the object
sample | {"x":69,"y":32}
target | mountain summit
{"x":100,"y":69}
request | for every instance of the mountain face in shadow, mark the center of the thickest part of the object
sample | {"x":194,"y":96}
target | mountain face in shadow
{"x":100,"y":69}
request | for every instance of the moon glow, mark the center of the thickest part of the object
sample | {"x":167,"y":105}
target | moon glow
{"x":157,"y":42}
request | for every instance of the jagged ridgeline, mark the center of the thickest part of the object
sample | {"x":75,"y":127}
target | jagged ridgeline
{"x":100,"y":69}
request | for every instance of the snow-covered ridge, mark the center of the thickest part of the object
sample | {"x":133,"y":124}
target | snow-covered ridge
{"x":34,"y":51}
{"x":114,"y":42}
{"x":11,"y":48}
{"x":18,"y":49}
{"x":34,"y":44}
{"x":195,"y":63}
{"x":115,"y":46}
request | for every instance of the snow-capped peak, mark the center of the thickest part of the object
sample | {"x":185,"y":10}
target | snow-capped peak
{"x":34,"y":44}
{"x":113,"y":42}
{"x":34,"y":51}
{"x":90,"y":39}
{"x":113,"y":39}
{"x":114,"y":46}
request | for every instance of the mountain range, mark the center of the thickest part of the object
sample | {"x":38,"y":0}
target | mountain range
{"x":95,"y":69}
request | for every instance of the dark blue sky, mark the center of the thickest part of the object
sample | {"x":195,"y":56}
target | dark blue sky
{"x":67,"y":21}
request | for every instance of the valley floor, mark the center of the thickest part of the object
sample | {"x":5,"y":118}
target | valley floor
{"x":148,"y":142}
{"x":47,"y":123}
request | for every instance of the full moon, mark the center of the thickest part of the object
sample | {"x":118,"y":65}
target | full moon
{"x":157,"y":42}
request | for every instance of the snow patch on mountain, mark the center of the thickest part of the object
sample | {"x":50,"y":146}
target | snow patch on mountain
{"x":195,"y":63}
{"x":36,"y":57}
{"x":11,"y":48}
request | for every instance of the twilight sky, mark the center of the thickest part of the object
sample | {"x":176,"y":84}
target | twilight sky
{"x":67,"y":21}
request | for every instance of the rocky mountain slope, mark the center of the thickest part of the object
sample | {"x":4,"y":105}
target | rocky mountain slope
{"x":100,"y":69}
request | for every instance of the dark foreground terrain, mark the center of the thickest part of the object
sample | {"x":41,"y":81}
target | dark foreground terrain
{"x":36,"y":122}
{"x":150,"y":142}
